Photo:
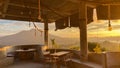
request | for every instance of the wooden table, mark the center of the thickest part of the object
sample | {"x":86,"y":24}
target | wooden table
{"x":21,"y":50}
{"x":46,"y":53}
{"x":57,"y":56}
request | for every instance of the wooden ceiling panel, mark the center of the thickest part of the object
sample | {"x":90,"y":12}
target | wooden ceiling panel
{"x":11,"y":17}
{"x":33,"y":3}
{"x":52,"y":9}
{"x":53,"y":3}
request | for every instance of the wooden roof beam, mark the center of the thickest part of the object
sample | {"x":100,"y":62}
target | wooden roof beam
{"x":103,"y":2}
{"x":5,"y":7}
{"x":18,"y":5}
{"x":91,"y":5}
{"x":112,"y":3}
{"x":74,"y":1}
{"x":44,"y":6}
{"x":56,"y":12}
{"x":14,"y":15}
{"x":0,"y":13}
{"x":1,"y":2}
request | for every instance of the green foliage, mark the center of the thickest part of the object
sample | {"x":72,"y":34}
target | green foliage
{"x":53,"y":41}
{"x":75,"y":48}
{"x":97,"y":49}
{"x":54,"y":44}
{"x":91,"y":46}
{"x":103,"y":49}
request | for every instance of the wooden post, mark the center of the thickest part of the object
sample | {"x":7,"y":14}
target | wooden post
{"x":46,"y":33}
{"x":83,"y":31}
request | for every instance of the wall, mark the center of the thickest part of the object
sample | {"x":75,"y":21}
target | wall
{"x":113,"y":59}
{"x":95,"y":58}
{"x":4,"y":60}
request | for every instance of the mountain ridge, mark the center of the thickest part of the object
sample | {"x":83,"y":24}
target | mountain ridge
{"x":28,"y":37}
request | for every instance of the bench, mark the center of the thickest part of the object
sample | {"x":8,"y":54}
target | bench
{"x":74,"y":63}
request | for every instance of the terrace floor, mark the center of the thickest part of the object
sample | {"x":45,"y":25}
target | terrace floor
{"x":30,"y":65}
{"x":25,"y":65}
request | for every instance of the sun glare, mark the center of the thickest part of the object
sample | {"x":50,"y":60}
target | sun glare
{"x":101,"y":29}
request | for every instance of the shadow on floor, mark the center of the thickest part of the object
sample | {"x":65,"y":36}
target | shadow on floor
{"x":29,"y":65}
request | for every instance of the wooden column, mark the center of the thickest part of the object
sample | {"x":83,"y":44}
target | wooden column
{"x":83,"y":31}
{"x":46,"y":33}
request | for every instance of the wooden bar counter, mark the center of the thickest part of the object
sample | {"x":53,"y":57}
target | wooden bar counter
{"x":25,"y":54}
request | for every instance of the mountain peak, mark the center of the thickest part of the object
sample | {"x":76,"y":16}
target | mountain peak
{"x":23,"y":38}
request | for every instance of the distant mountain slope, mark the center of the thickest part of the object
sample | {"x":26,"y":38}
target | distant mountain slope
{"x":101,"y":39}
{"x":24,"y":37}
{"x":28,"y":37}
{"x":110,"y":46}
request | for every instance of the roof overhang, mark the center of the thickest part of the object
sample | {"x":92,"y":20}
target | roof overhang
{"x":27,"y":10}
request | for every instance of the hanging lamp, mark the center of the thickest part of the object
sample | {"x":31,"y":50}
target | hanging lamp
{"x":30,"y":18}
{"x":35,"y":26}
{"x":69,"y":21}
{"x":109,"y":22}
{"x":39,"y":12}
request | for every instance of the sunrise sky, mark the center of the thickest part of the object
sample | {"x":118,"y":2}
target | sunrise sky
{"x":95,"y":29}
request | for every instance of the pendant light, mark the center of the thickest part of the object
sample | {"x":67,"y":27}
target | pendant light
{"x":30,"y":18}
{"x":109,"y":22}
{"x":39,"y":12}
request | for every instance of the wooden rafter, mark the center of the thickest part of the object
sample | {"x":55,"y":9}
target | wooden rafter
{"x":54,"y":11}
{"x":12,"y":15}
{"x":1,"y":2}
{"x":5,"y":7}
{"x":94,"y":3}
{"x":17,"y":16}
{"x":19,"y":5}
{"x":0,"y":13}
{"x":74,"y":1}
{"x":44,"y":6}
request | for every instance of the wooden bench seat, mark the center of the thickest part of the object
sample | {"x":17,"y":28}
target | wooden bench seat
{"x":74,"y":63}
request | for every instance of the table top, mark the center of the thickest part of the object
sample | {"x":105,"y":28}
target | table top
{"x":46,"y":53}
{"x":21,"y":50}
{"x":57,"y":54}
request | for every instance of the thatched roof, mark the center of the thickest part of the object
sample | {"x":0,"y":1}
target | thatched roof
{"x":51,"y":10}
